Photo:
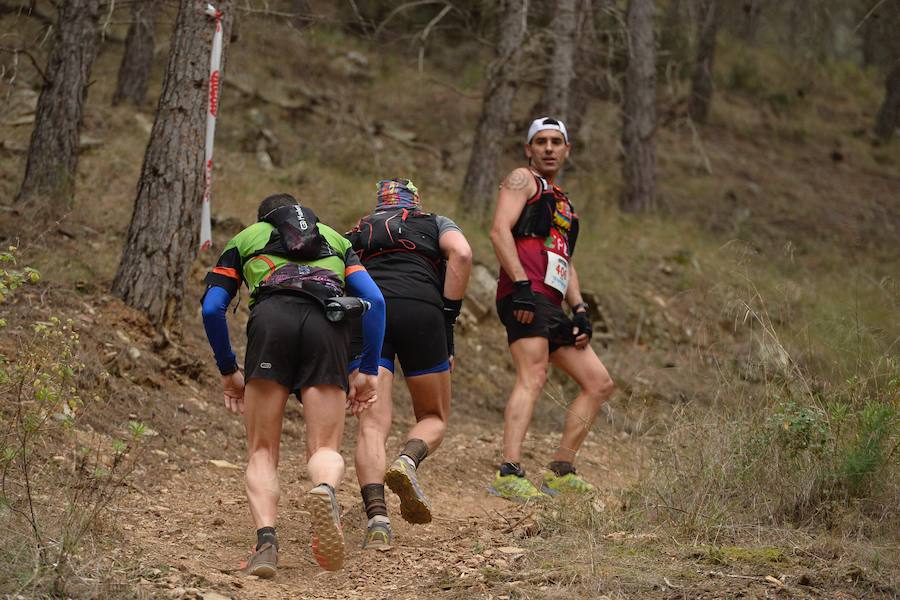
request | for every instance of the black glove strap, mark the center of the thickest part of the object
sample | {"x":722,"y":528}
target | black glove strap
{"x":451,"y":309}
{"x":583,"y":323}
{"x":523,"y":296}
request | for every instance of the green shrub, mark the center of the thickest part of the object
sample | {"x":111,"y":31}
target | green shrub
{"x":796,"y":427}
{"x":745,"y":76}
{"x":48,"y":506}
{"x":868,"y":451}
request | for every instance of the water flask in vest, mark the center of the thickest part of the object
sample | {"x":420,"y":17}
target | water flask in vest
{"x":345,"y":307}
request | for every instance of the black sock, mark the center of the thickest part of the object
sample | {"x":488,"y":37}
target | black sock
{"x":511,"y":468}
{"x":373,"y":499}
{"x":266,"y":535}
{"x":561,"y":467}
{"x":416,"y":450}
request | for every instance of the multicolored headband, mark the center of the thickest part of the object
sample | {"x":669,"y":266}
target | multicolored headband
{"x":396,"y":193}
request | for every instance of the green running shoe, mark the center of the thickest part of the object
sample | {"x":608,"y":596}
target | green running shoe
{"x":570,"y":483}
{"x":401,"y":478}
{"x":378,"y":533}
{"x":515,"y":488}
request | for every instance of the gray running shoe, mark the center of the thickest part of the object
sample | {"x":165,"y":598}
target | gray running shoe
{"x":378,"y":533}
{"x":327,"y":536}
{"x":401,"y":478}
{"x":262,"y":562}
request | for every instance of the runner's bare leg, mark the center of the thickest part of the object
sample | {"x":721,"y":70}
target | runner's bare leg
{"x":264,"y":402}
{"x":323,"y":410}
{"x":431,"y":404}
{"x":585,"y":367}
{"x":374,"y":427}
{"x":530,"y":356}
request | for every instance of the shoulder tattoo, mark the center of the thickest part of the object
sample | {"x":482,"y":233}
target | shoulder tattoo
{"x":517,"y":180}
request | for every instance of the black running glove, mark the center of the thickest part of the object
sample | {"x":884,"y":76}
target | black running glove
{"x":523,"y":296}
{"x":451,"y":312}
{"x":583,"y":323}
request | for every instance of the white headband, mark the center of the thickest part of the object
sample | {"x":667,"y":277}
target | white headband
{"x":543,"y":123}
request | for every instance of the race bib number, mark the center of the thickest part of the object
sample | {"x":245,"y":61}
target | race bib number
{"x":557,"y":275}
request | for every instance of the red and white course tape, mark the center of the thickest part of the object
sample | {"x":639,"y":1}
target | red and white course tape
{"x":212,"y":108}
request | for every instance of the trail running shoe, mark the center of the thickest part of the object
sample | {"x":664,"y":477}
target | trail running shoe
{"x":515,"y":488}
{"x":378,"y":533}
{"x":570,"y":483}
{"x":401,"y":478}
{"x":328,"y":536}
{"x":262,"y":562}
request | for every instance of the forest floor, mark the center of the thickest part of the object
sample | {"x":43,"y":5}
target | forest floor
{"x":179,"y":526}
{"x":190,"y":521}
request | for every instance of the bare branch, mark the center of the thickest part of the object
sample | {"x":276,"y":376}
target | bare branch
{"x":17,"y":51}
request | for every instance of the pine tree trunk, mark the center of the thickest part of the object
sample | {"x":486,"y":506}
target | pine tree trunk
{"x":165,"y":226}
{"x":889,"y":116}
{"x":555,"y":98}
{"x":588,"y":81}
{"x":134,"y":70}
{"x":752,"y":10}
{"x":302,"y":14}
{"x":53,"y":152}
{"x":480,"y":183}
{"x":585,"y":66}
{"x":638,"y":131}
{"x":702,"y":80}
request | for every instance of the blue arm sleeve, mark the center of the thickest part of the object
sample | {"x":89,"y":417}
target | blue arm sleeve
{"x":361,"y":285}
{"x":215,"y":305}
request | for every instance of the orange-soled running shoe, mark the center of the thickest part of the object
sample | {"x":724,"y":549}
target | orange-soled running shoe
{"x":262,"y":562}
{"x":327,"y":534}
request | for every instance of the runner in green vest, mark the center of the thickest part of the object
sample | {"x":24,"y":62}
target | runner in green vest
{"x":298,"y":335}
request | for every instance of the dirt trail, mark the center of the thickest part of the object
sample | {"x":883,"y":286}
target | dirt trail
{"x":189,"y":525}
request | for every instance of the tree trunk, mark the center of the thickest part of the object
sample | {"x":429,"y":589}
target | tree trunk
{"x":674,"y":40}
{"x":302,"y":14}
{"x":165,"y":227}
{"x":134,"y":71}
{"x":555,"y":99}
{"x":702,"y":80}
{"x":480,"y":183}
{"x":53,"y":151}
{"x":638,"y":131}
{"x":587,"y":80}
{"x":752,"y":10}
{"x":889,"y":115}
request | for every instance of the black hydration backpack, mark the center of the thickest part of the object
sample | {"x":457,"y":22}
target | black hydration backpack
{"x":397,"y":230}
{"x":296,"y":235}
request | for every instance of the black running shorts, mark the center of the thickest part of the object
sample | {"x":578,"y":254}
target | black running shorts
{"x":290,"y":341}
{"x":549,"y":322}
{"x":415,"y":334}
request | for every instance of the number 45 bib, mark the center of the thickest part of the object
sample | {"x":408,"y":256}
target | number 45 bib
{"x":557,"y":275}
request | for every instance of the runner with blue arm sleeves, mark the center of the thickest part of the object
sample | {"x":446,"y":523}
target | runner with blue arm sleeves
{"x":294,"y":266}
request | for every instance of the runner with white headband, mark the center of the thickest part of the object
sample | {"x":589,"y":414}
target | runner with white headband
{"x":534,"y":233}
